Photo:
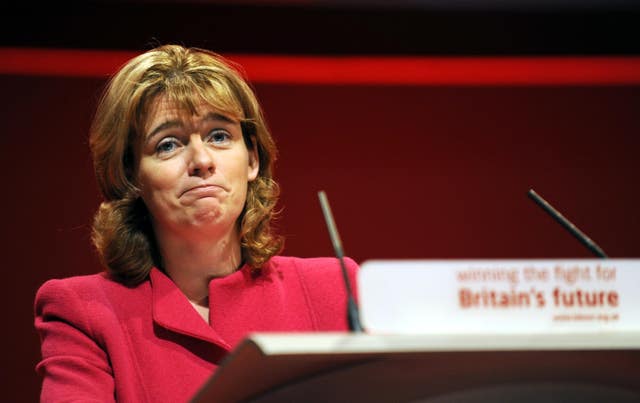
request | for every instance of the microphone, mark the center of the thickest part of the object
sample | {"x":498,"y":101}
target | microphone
{"x":353,"y":315}
{"x":585,"y":240}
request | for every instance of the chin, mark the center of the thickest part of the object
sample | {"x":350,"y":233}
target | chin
{"x":213,"y":221}
{"x":206,"y":218}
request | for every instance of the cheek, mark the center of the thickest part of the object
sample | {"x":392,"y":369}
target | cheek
{"x":156,"y":181}
{"x":236,"y":176}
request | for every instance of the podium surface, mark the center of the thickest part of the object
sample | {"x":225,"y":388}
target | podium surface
{"x":272,"y":367}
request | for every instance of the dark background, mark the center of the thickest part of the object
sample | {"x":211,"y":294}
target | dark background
{"x":411,"y":171}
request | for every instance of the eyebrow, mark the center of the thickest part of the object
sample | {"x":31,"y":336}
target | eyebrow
{"x":211,"y":116}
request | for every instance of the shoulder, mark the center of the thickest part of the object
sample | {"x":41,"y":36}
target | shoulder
{"x":314,"y":265}
{"x":88,"y":287}
{"x":69,"y":288}
{"x":90,"y":296}
{"x":321,"y":275}
{"x":322,"y":283}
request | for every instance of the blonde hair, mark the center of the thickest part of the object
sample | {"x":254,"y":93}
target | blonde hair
{"x":122,"y":231}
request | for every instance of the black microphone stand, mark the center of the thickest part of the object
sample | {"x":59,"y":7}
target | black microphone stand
{"x":353,"y":314}
{"x":568,"y":225}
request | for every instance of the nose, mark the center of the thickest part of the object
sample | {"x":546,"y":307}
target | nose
{"x":201,"y":158}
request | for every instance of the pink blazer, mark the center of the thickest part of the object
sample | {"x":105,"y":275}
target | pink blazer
{"x":103,"y":341}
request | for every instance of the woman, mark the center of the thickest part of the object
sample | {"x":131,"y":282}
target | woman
{"x":183,"y":158}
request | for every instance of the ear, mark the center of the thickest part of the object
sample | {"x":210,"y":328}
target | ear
{"x":254,"y":162}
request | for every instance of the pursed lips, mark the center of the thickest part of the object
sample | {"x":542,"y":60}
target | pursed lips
{"x":203,"y":190}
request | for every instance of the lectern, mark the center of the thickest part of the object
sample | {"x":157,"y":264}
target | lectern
{"x":459,"y":331}
{"x":429,"y":368}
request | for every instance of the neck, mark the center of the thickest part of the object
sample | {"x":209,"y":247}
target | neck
{"x":192,"y":264}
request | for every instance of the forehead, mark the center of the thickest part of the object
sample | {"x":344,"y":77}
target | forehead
{"x":162,"y":109}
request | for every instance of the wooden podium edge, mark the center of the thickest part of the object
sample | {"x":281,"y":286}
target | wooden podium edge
{"x":232,"y":382}
{"x":265,"y":361}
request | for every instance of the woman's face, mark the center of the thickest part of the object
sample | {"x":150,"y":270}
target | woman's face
{"x":193,"y":169}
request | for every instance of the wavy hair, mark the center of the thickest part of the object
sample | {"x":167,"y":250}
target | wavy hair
{"x":122,"y":231}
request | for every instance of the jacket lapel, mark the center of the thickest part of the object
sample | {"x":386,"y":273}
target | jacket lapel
{"x":173,"y":311}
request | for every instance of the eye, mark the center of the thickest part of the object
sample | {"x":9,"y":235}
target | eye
{"x":167,"y":146}
{"x":219,"y":137}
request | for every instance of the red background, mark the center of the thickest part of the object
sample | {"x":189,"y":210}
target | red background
{"x":422,"y":171}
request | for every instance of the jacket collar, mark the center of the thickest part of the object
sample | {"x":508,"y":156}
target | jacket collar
{"x":173,"y":311}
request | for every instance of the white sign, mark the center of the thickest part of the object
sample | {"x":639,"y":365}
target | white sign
{"x":499,"y":296}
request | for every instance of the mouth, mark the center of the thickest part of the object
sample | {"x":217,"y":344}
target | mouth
{"x":205,"y":190}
